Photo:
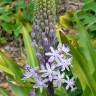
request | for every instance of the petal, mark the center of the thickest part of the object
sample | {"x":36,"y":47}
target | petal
{"x":48,"y":54}
{"x":65,"y":49}
{"x":65,"y":81}
{"x":42,"y":71}
{"x":48,"y":66}
{"x":52,"y":49}
{"x":28,"y":68}
{"x":63,"y":68}
{"x":59,"y":65}
{"x":24,"y":78}
{"x":62,"y":80}
{"x":67,"y":68}
{"x":51,"y":59}
{"x":67,"y":87}
{"x":35,"y":86}
{"x":44,"y":75}
{"x":62,"y":75}
{"x":55,"y":77}
{"x":57,"y":59}
{"x":59,"y":45}
{"x":67,"y":77}
{"x":61,"y":56}
{"x":28,"y":75}
{"x":53,"y":67}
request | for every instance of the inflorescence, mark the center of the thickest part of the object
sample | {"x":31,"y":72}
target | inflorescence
{"x":54,"y":71}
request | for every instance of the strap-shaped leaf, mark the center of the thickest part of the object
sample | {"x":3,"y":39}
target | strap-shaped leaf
{"x":3,"y":92}
{"x":11,"y":66}
{"x":6,"y":70}
{"x":30,"y":51}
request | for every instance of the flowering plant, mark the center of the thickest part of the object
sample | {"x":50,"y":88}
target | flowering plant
{"x":55,"y":60}
{"x":54,"y":71}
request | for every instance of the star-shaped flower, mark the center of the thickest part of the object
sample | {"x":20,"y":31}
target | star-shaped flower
{"x":65,"y":64}
{"x":59,"y":79}
{"x":54,"y":55}
{"x":65,"y":49}
{"x":30,"y":73}
{"x":49,"y":71}
{"x":70,"y":83}
{"x":39,"y":83}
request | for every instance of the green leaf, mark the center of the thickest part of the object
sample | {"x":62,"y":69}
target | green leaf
{"x":21,"y":4}
{"x":3,"y":40}
{"x":60,"y":92}
{"x":86,"y":46}
{"x":87,"y":1}
{"x":3,"y":92}
{"x":21,"y":91}
{"x":87,"y":92}
{"x":31,"y":54}
{"x":90,"y":6}
{"x":11,"y":65}
{"x":7,"y":27}
{"x":6,"y":70}
{"x":8,"y":18}
{"x":28,"y":14}
{"x":4,"y":2}
{"x":17,"y":29}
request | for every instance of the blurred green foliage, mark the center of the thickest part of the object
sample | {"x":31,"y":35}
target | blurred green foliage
{"x":13,"y":14}
{"x":88,"y":17}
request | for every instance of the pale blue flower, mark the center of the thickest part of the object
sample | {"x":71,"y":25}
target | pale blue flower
{"x":49,"y":71}
{"x":59,"y":79}
{"x":64,"y":48}
{"x":28,"y":68}
{"x":53,"y":55}
{"x":70,"y":83}
{"x":40,"y":83}
{"x":30,"y":73}
{"x":65,"y":64}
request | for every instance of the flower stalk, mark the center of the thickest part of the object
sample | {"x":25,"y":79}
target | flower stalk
{"x":44,"y":32}
{"x":50,"y":89}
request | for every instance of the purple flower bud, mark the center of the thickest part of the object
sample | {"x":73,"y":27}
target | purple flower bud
{"x":33,"y":34}
{"x":46,"y":29}
{"x":46,"y":22}
{"x":45,"y":41}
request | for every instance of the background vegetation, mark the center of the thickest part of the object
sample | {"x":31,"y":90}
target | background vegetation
{"x":76,"y":27}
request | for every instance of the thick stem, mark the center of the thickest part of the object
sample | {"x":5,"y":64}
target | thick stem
{"x":50,"y":89}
